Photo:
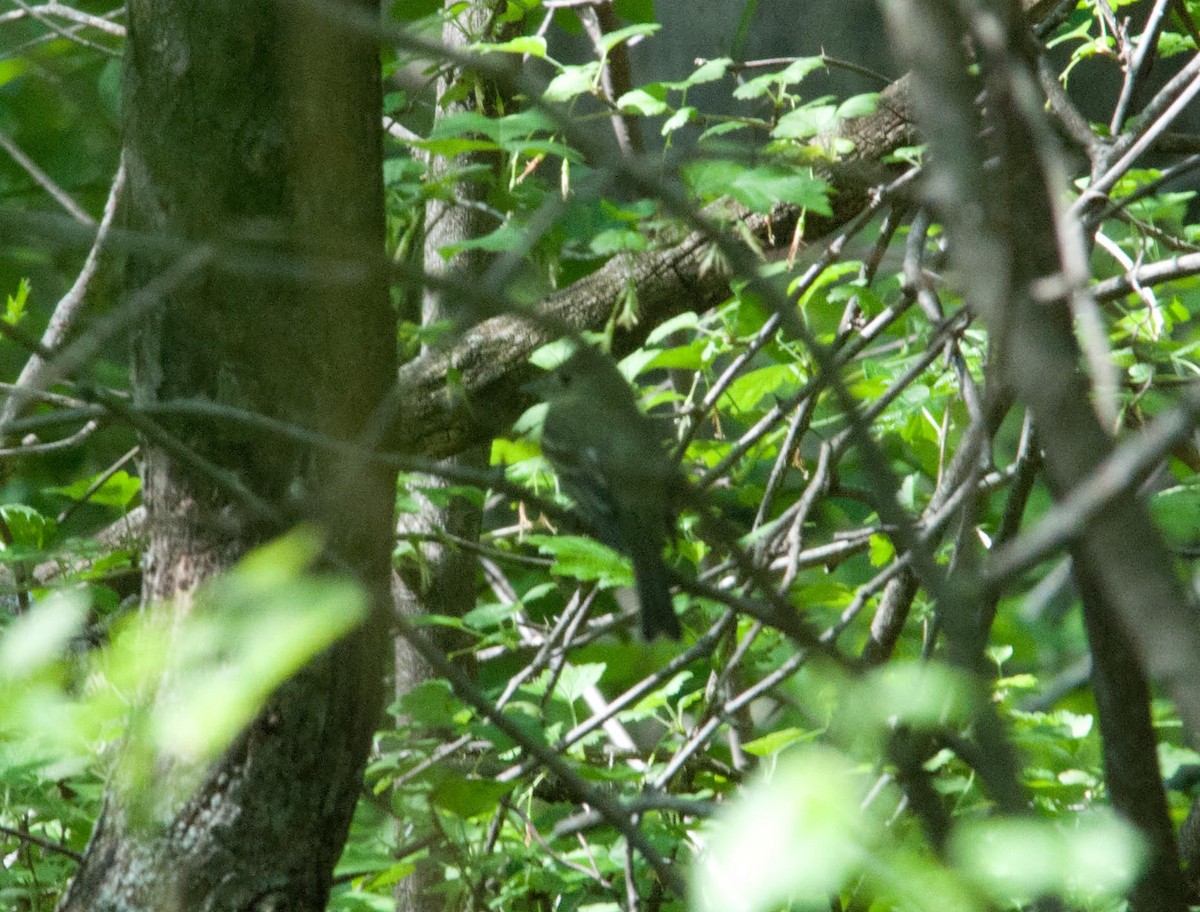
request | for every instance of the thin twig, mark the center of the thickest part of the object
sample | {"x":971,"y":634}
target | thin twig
{"x":41,"y":842}
{"x":66,"y":312}
{"x":45,"y":181}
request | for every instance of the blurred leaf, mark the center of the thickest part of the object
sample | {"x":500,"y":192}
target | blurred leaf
{"x":465,"y":797}
{"x":920,"y":694}
{"x":30,"y":529}
{"x":679,"y":323}
{"x":37,"y":638}
{"x":1177,"y":513}
{"x":882,"y":550}
{"x":411,"y":10}
{"x":793,"y":837}
{"x":1017,"y":860}
{"x":429,"y":703}
{"x":532,"y":45}
{"x":656,"y":699}
{"x":777,"y":741}
{"x":249,"y":631}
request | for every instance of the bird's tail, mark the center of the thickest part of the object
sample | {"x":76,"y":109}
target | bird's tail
{"x":654,"y":594}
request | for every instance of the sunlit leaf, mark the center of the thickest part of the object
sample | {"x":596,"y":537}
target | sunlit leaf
{"x":572,"y":82}
{"x":39,"y":636}
{"x":1016,"y":860}
{"x":118,"y":490}
{"x":792,"y":837}
{"x":639,"y":30}
{"x":532,"y":45}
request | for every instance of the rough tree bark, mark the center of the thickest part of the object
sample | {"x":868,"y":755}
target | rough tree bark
{"x":253,"y":136}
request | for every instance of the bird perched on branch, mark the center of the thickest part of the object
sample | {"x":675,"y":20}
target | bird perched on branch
{"x":610,"y":459}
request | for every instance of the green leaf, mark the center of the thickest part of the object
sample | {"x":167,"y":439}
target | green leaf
{"x":825,"y":592}
{"x":679,"y":323}
{"x":573,"y":81}
{"x":14,"y":310}
{"x":533,"y":45}
{"x":858,"y":105}
{"x":510,"y":452}
{"x":456,"y":145}
{"x":401,"y":169}
{"x":467,"y":798}
{"x":999,"y":654}
{"x":1171,"y":44}
{"x":649,"y":101}
{"x":610,"y":40}
{"x":748,"y":390}
{"x":759,"y":188}
{"x":722,"y":128}
{"x":775,"y":82}
{"x":411,"y":10}
{"x":829,"y":277}
{"x":523,"y":132}
{"x":678,"y":120}
{"x":575,"y":680}
{"x":431,"y":702}
{"x":552,"y":354}
{"x":30,"y":529}
{"x":656,"y":699}
{"x":806,"y":122}
{"x":617,"y":240}
{"x":12,"y":68}
{"x":777,"y":741}
{"x":709,"y":71}
{"x":489,"y":617}
{"x":1177,"y":513}
{"x":119,"y":490}
{"x":517,"y":10}
{"x":506,"y":238}
{"x":584,"y":559}
{"x":389,"y":877}
{"x":881,"y":549}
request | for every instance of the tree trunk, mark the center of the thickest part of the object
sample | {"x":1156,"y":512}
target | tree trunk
{"x":253,"y":149}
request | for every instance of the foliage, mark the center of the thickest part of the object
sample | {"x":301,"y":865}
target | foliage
{"x":773,"y":765}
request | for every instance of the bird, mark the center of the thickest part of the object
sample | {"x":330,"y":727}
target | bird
{"x":610,"y":460}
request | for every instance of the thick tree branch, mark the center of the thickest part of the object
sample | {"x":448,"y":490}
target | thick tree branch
{"x":489,"y":361}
